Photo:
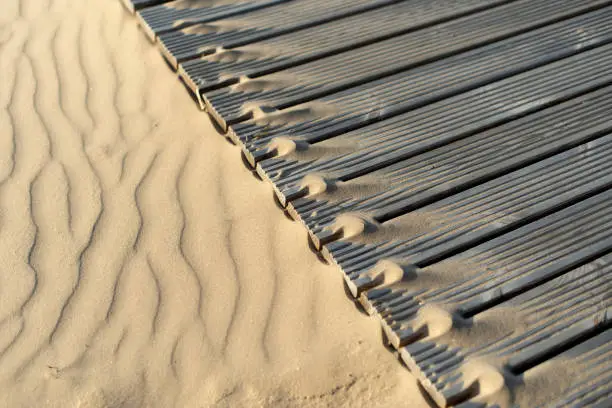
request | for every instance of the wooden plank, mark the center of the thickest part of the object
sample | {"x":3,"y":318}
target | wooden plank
{"x":356,"y":43}
{"x":405,"y":65}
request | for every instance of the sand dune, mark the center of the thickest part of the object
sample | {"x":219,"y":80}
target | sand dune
{"x":141,"y":264}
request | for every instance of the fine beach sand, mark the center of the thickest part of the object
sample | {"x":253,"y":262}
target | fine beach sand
{"x":141,"y":264}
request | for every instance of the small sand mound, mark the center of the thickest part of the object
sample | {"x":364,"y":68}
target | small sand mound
{"x":487,"y":382}
{"x":354,"y":225}
{"x":284,"y":146}
{"x":266,"y":115}
{"x":315,"y":184}
{"x":267,"y":83}
{"x":193,"y":27}
{"x":435,"y":319}
{"x":246,"y":53}
{"x":385,"y":274}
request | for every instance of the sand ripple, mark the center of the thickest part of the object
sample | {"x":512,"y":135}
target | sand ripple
{"x":140,"y":264}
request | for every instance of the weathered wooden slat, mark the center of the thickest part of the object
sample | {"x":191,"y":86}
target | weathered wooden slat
{"x":575,"y":308}
{"x":174,"y":15}
{"x":371,"y":143}
{"x":190,"y":39}
{"x":350,"y":37}
{"x":514,"y":301}
{"x":475,"y":215}
{"x":439,"y":173}
{"x":401,"y":60}
{"x":595,"y":390}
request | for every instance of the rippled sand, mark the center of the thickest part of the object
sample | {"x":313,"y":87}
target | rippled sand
{"x":141,"y":264}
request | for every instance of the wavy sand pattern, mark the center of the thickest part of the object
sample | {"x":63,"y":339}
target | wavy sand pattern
{"x":140,"y":263}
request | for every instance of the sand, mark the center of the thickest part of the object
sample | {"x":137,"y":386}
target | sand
{"x":141,"y":264}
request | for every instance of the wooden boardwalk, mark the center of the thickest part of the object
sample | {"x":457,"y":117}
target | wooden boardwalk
{"x":452,"y":158}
